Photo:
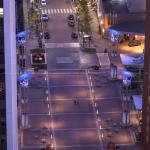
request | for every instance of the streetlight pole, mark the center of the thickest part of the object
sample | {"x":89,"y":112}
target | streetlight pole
{"x":41,"y":30}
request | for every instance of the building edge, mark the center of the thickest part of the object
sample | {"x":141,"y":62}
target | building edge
{"x":10,"y":74}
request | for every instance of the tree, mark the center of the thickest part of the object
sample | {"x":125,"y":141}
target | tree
{"x":83,"y":14}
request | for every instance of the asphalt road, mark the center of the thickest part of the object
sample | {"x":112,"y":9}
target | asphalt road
{"x":68,"y":106}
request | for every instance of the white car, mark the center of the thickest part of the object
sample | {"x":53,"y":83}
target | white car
{"x":44,"y":17}
{"x":43,"y":2}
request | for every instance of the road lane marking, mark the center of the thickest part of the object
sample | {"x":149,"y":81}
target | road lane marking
{"x":75,"y":129}
{"x":106,"y":98}
{"x":43,"y":11}
{"x":91,"y":96}
{"x":67,"y":10}
{"x":48,"y":11}
{"x":59,"y":86}
{"x":51,"y":11}
{"x":69,"y":99}
{"x":50,"y":108}
{"x":64,"y":10}
{"x":69,"y":85}
{"x":58,"y":11}
{"x":111,"y":112}
{"x":55,"y":11}
{"x":60,"y":114}
{"x":31,"y":147}
{"x":61,"y":11}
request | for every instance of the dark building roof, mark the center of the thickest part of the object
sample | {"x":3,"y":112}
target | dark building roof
{"x":115,"y":6}
{"x":132,"y":27}
{"x":1,"y":3}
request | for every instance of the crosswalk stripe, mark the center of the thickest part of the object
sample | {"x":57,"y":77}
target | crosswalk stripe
{"x":51,"y":10}
{"x":61,"y":10}
{"x":42,"y":11}
{"x":71,"y":11}
{"x":64,"y":10}
{"x":48,"y":11}
{"x":67,"y":10}
{"x":57,"y":11}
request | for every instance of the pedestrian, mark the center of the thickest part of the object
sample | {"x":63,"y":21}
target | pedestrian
{"x":75,"y":102}
{"x":105,"y":50}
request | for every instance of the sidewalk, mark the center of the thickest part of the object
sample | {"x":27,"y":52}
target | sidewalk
{"x":98,"y":41}
{"x":30,"y":43}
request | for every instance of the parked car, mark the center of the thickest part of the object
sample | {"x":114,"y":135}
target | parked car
{"x":43,"y":2}
{"x":71,"y":23}
{"x":46,"y":35}
{"x":71,"y":17}
{"x":44,"y":17}
{"x":74,"y":35}
{"x":134,"y":43}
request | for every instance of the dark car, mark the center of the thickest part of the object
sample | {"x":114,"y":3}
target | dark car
{"x":46,"y":35}
{"x":44,"y":17}
{"x":71,"y":23}
{"x":74,"y":35}
{"x":71,"y":17}
{"x":134,"y":43}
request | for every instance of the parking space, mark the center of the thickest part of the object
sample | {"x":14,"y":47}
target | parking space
{"x":115,"y":105}
{"x":40,"y":121}
{"x":37,"y":107}
{"x":68,"y":106}
{"x":72,"y":92}
{"x":74,"y":121}
{"x":36,"y":93}
{"x":106,"y":92}
{"x":36,"y":138}
{"x":68,"y":79}
{"x":77,"y":137}
{"x":118,"y":136}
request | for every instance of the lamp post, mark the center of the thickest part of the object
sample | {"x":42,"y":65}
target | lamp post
{"x":126,"y":113}
{"x":41,"y":30}
{"x":78,"y":21}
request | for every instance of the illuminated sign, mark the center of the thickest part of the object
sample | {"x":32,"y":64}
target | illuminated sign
{"x":24,"y":78}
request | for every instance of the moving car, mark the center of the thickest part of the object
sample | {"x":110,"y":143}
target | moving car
{"x":71,"y":23}
{"x":46,"y":35}
{"x":44,"y":17}
{"x":71,"y":17}
{"x":43,"y":2}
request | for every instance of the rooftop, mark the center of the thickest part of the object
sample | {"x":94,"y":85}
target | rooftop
{"x":117,"y":6}
{"x":124,"y":6}
{"x":130,"y":27}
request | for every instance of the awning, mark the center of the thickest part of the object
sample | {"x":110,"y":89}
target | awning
{"x":137,"y":100}
{"x":132,"y":27}
{"x":135,"y":60}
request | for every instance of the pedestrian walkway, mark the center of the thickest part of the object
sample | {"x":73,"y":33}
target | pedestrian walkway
{"x":65,"y":60}
{"x":104,"y":60}
{"x":57,"y":11}
{"x":62,"y":45}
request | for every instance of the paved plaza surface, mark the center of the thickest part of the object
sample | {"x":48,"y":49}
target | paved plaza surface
{"x":55,"y":118}
{"x":68,"y":106}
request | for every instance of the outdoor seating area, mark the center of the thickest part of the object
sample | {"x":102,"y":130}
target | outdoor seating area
{"x":38,"y":58}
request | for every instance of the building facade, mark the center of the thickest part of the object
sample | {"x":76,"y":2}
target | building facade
{"x":146,"y":93}
{"x":3,"y":137}
{"x":10,"y":75}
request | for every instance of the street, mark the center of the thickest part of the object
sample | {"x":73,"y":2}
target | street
{"x":68,"y":106}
